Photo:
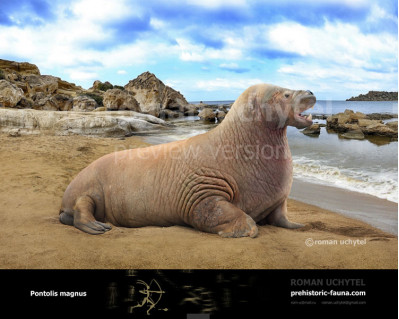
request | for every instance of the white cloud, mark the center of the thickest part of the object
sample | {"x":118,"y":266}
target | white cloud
{"x":122,"y":72}
{"x":199,"y":53}
{"x":103,"y":10}
{"x":348,"y":3}
{"x":213,"y":4}
{"x":339,"y":43}
{"x":333,"y":80}
{"x":82,"y":76}
{"x":378,"y":13}
{"x":234,"y":84}
{"x":157,"y":23}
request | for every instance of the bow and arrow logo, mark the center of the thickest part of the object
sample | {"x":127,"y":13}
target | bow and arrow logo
{"x":152,"y":295}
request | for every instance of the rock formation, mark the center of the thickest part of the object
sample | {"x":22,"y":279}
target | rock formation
{"x":84,"y":103}
{"x":41,"y":92}
{"x":23,"y":68}
{"x":10,"y":94}
{"x":153,"y":95}
{"x":105,"y":124}
{"x":207,"y":115}
{"x":313,"y":130}
{"x":23,"y":86}
{"x":351,"y":124}
{"x":376,"y":96}
{"x":116,"y":99}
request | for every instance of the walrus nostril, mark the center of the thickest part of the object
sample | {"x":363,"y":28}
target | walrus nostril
{"x":310,"y":92}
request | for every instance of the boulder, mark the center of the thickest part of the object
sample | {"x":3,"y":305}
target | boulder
{"x":46,"y":84}
{"x":190,"y":110}
{"x":153,"y":95}
{"x":10,"y":95}
{"x":57,"y":102}
{"x":207,"y":115}
{"x":220,"y":115}
{"x":365,"y":122}
{"x":116,"y":99}
{"x":25,"y":103}
{"x":380,"y":129}
{"x":84,"y":103}
{"x":356,"y":134}
{"x":312,"y":130}
{"x":15,"y":132}
{"x":393,"y":125}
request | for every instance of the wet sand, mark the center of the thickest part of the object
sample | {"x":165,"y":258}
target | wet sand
{"x":36,"y":169}
{"x":375,"y":211}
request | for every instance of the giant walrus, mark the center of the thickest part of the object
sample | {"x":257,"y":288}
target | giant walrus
{"x":224,"y":181}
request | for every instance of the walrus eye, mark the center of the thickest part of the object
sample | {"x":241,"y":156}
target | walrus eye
{"x":286,"y":95}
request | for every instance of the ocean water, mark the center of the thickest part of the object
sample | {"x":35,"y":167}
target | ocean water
{"x":359,"y":166}
{"x":364,"y":166}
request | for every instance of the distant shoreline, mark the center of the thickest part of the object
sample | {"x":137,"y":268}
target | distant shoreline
{"x":376,"y":96}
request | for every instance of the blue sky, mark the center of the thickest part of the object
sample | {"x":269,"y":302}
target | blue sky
{"x":209,"y":49}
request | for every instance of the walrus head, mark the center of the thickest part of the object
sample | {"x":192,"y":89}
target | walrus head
{"x":274,"y":106}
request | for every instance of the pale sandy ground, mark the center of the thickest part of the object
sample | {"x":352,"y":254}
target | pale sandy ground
{"x":35,"y":171}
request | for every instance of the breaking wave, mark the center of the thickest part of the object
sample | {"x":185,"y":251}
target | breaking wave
{"x":381,"y":183}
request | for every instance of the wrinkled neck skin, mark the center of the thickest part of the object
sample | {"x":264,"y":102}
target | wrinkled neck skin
{"x":256,"y":154}
{"x":257,"y":121}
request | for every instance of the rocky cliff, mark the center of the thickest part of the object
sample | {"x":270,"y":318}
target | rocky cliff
{"x":22,"y":86}
{"x":376,"y":96}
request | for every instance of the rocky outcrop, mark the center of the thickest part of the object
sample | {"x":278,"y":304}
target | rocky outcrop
{"x":24,"y":87}
{"x":41,"y":92}
{"x":84,"y":103}
{"x":153,"y":95}
{"x":56,"y":102}
{"x":351,"y":124}
{"x":376,"y":96}
{"x":189,"y":110}
{"x":106,"y":124}
{"x":207,"y":115}
{"x":220,"y":115}
{"x":116,"y":99}
{"x":355,"y":134}
{"x":312,"y":130}
{"x":100,"y":86}
{"x":22,"y":68}
{"x":10,"y":95}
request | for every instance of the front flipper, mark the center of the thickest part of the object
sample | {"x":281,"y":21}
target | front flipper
{"x":218,"y":216}
{"x":278,"y":218}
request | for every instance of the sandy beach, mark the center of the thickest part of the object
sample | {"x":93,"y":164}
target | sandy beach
{"x":36,"y":169}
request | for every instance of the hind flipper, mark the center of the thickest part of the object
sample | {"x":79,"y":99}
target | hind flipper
{"x":83,"y":217}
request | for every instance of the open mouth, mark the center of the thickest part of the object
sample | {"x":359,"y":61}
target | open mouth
{"x":303,"y":117}
{"x":306,"y":103}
